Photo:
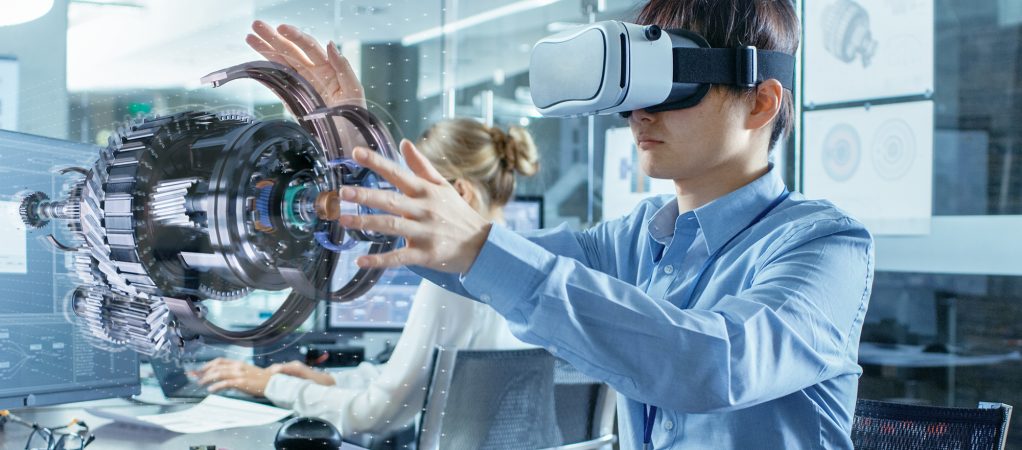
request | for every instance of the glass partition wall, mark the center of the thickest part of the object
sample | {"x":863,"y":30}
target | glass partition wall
{"x":486,"y":54}
{"x":911,"y":115}
{"x":420,"y":61}
{"x":128,"y":59}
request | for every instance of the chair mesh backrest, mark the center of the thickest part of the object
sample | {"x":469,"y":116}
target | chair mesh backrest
{"x":890,"y":426}
{"x":576,"y":399}
{"x":500,"y":400}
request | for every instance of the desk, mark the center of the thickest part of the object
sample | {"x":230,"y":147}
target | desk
{"x":114,"y":436}
{"x":914,"y":356}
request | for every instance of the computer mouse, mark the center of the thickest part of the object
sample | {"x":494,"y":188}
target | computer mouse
{"x":307,"y":433}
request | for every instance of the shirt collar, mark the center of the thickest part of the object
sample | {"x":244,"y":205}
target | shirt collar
{"x":726,"y":216}
{"x":665,"y":224}
{"x":661,"y":225}
{"x":720,"y":219}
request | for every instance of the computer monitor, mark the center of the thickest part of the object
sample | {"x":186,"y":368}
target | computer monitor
{"x":45,"y":356}
{"x":524,"y":213}
{"x":386,"y":305}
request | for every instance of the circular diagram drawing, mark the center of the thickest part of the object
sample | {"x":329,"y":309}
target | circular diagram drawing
{"x":894,"y":149}
{"x":842,"y":151}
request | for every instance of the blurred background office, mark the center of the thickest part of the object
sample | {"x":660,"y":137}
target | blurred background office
{"x":909,"y":117}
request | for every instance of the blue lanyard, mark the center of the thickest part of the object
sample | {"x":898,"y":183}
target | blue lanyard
{"x":648,"y":417}
{"x":649,"y":411}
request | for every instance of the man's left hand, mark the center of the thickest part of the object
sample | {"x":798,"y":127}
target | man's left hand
{"x":442,"y":232}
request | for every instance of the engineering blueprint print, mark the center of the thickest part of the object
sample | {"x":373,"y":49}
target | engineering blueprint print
{"x":875,"y":163}
{"x":859,"y":50}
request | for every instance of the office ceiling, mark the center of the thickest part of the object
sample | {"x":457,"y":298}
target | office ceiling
{"x":145,"y":44}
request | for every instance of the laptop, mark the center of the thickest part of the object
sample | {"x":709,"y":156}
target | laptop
{"x":175,"y":384}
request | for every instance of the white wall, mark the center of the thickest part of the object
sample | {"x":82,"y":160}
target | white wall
{"x":40,"y":47}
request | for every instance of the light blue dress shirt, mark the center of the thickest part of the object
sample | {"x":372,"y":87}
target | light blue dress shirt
{"x":765,"y":357}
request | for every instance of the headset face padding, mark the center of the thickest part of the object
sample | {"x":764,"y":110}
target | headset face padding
{"x":683,"y":95}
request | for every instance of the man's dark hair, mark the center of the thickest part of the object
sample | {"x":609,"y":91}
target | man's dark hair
{"x":766,"y":24}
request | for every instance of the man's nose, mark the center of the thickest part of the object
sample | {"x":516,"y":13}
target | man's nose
{"x":641,"y":115}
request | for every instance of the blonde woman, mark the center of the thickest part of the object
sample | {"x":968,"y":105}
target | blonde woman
{"x":482,"y":163}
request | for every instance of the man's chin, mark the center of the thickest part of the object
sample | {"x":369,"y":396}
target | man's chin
{"x":654,"y":170}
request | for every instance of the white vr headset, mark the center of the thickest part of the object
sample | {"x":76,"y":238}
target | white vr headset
{"x":617,"y":67}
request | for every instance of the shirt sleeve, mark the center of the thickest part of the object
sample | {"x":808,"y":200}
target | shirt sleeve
{"x":285,"y":390}
{"x":366,"y":400}
{"x":357,"y":378}
{"x":786,"y":332}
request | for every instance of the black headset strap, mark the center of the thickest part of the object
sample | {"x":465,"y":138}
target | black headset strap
{"x":745,"y":67}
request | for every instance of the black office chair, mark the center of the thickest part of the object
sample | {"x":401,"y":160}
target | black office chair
{"x":888,"y":426}
{"x":490,"y":399}
{"x":585,"y":408}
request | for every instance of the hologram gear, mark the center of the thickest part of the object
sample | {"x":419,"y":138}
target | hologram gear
{"x":198,"y":206}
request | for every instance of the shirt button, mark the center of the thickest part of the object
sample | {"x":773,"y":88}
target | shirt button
{"x":668,"y":425}
{"x":485,"y":298}
{"x":669,"y":269}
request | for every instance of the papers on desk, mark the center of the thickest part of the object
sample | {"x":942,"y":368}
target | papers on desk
{"x":212,"y":413}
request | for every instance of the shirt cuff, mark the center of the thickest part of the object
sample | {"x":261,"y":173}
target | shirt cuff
{"x":508,"y":269}
{"x":283,"y":389}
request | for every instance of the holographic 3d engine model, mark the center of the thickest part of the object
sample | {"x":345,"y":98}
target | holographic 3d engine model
{"x":199,"y":206}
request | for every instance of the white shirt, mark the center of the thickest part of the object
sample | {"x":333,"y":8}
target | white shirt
{"x":382,"y":398}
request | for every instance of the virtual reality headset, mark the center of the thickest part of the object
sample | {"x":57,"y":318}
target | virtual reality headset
{"x":617,"y":67}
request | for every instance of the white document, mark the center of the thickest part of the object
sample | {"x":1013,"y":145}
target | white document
{"x":867,"y":49}
{"x":8,"y":94}
{"x":14,"y":252}
{"x":624,"y":183}
{"x":876,"y":164}
{"x":212,"y":413}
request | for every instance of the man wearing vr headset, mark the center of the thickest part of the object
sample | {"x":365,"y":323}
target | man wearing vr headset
{"x":727,"y":316}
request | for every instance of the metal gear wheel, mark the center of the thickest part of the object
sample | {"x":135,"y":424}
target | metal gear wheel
{"x":29,"y":210}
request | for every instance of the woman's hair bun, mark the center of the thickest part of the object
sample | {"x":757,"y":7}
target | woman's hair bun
{"x":517,"y":149}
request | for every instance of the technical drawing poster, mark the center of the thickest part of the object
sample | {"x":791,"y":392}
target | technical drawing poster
{"x":624,"y":183}
{"x":876,"y":164}
{"x":8,"y":94}
{"x":867,"y":49}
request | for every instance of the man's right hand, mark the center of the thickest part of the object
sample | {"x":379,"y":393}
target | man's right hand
{"x":297,"y":369}
{"x":327,"y":70}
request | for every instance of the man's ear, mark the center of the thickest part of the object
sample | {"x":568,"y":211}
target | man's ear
{"x":767,"y":104}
